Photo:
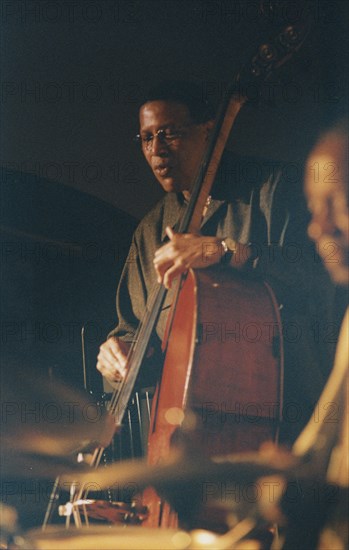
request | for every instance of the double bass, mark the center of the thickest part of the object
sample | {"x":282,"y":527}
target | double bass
{"x":222,"y":377}
{"x":221,"y":387}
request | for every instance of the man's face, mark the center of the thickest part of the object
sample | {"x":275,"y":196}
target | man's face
{"x":174,"y":153}
{"x":326,"y":190}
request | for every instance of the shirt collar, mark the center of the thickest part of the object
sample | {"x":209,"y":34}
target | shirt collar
{"x":175,"y":207}
{"x":175,"y":203}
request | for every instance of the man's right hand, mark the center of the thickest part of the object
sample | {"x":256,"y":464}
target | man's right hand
{"x":112,"y":359}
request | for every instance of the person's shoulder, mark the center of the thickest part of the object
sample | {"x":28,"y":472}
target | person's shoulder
{"x":153,"y":220}
{"x":239,"y":175}
{"x":251,"y":167}
{"x":166,"y":202}
{"x":268,"y":174}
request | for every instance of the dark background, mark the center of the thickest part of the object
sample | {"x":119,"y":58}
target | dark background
{"x":73,"y":181}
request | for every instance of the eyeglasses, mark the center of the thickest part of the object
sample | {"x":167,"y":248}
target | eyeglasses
{"x":166,"y":136}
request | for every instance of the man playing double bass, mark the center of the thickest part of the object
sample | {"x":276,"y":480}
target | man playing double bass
{"x":254,"y":221}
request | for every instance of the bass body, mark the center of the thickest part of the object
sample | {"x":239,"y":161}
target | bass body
{"x":221,"y":385}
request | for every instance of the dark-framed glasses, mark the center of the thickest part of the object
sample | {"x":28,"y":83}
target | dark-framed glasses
{"x":166,"y":136}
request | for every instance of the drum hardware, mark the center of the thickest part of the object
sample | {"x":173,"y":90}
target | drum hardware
{"x":113,"y":512}
{"x":79,"y":507}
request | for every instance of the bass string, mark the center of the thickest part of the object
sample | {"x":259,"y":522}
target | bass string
{"x":121,"y":395}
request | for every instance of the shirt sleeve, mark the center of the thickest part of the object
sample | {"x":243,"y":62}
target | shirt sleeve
{"x":131,"y":305}
{"x":130,"y":297}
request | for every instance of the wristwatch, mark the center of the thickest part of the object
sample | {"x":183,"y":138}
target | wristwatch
{"x":229,"y":248}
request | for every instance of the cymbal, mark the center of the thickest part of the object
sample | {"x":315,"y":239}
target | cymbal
{"x":242,"y":467}
{"x":34,"y":466}
{"x":49,"y":418}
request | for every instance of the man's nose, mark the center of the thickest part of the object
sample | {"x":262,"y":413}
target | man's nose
{"x":158,"y":145}
{"x":321,"y":224}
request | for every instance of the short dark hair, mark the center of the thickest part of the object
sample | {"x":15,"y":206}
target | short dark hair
{"x":187,"y":93}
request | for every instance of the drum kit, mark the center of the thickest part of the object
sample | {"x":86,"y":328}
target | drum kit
{"x":247,"y":489}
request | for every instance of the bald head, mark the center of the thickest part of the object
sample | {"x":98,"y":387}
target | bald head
{"x":326,"y":189}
